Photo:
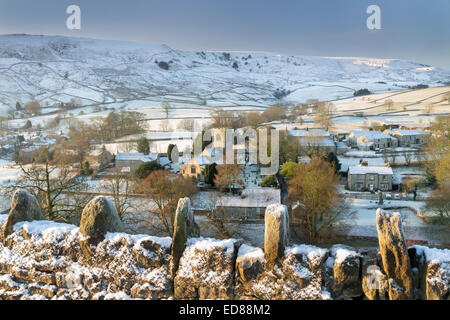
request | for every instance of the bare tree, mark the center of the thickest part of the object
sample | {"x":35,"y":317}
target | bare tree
{"x":389,"y":104}
{"x":217,"y":217}
{"x":408,"y":157}
{"x":314,"y":186}
{"x":447,"y":97}
{"x":3,"y":124}
{"x":165,"y":126}
{"x":120,"y":187}
{"x":324,"y":114}
{"x":50,"y":184}
{"x":11,"y":113}
{"x":166,"y":107}
{"x":164,"y":189}
{"x":186,"y":125}
{"x":393,"y":155}
{"x":33,"y":107}
{"x":228,"y":176}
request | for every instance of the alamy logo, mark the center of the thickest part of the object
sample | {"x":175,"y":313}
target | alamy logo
{"x":73,"y":278}
{"x":74,"y":20}
{"x":374,"y":20}
{"x":374,"y":278}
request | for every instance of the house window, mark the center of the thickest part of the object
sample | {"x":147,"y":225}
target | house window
{"x":193,"y":170}
{"x":372,"y":178}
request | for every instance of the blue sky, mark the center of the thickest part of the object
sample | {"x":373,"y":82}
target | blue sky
{"x":416,"y":30}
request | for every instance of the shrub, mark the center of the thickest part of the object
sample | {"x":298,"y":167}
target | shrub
{"x":85,"y":169}
{"x":143,"y":146}
{"x":270,"y":181}
{"x":210,"y":172}
{"x":146,"y":168}
{"x":281,"y":93}
{"x":361,"y":92}
{"x":163,"y":65}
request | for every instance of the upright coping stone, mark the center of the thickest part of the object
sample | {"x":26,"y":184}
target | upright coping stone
{"x":276,"y":237}
{"x":99,"y":217}
{"x":184,"y":227}
{"x":24,"y":207}
{"x":394,"y":255}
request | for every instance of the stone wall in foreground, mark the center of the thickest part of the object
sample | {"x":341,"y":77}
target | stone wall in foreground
{"x":40,"y":259}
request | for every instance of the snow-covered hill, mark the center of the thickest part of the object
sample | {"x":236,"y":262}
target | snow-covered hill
{"x":52,"y":69}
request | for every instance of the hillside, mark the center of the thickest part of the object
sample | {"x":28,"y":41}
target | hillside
{"x":55,"y":69}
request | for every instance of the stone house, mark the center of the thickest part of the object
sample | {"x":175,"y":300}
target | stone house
{"x":365,"y":178}
{"x":366,"y":140}
{"x":195,"y":167}
{"x":409,"y":137}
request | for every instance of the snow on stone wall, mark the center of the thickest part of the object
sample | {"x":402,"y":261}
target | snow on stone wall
{"x":44,"y":260}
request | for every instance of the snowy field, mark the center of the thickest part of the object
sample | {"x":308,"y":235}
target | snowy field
{"x":55,"y":69}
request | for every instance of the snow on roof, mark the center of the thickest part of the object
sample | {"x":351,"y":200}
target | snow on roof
{"x":96,"y":152}
{"x":201,"y":160}
{"x":366,"y":170}
{"x":164,"y":160}
{"x":317,"y":141}
{"x":405,"y":123}
{"x":341,"y":145}
{"x":250,"y":198}
{"x":261,"y":197}
{"x":136,"y":156}
{"x":32,"y":148}
{"x":375,"y":134}
{"x":309,"y":133}
{"x":412,"y":132}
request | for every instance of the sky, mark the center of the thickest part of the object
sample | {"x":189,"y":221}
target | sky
{"x":417,"y":30}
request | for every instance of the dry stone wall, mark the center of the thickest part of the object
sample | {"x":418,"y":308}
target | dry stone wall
{"x":42,"y":259}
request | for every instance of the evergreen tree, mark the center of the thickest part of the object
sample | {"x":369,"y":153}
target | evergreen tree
{"x":210,"y":172}
{"x":146,"y":168}
{"x":333,"y":159}
{"x":143,"y":146}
